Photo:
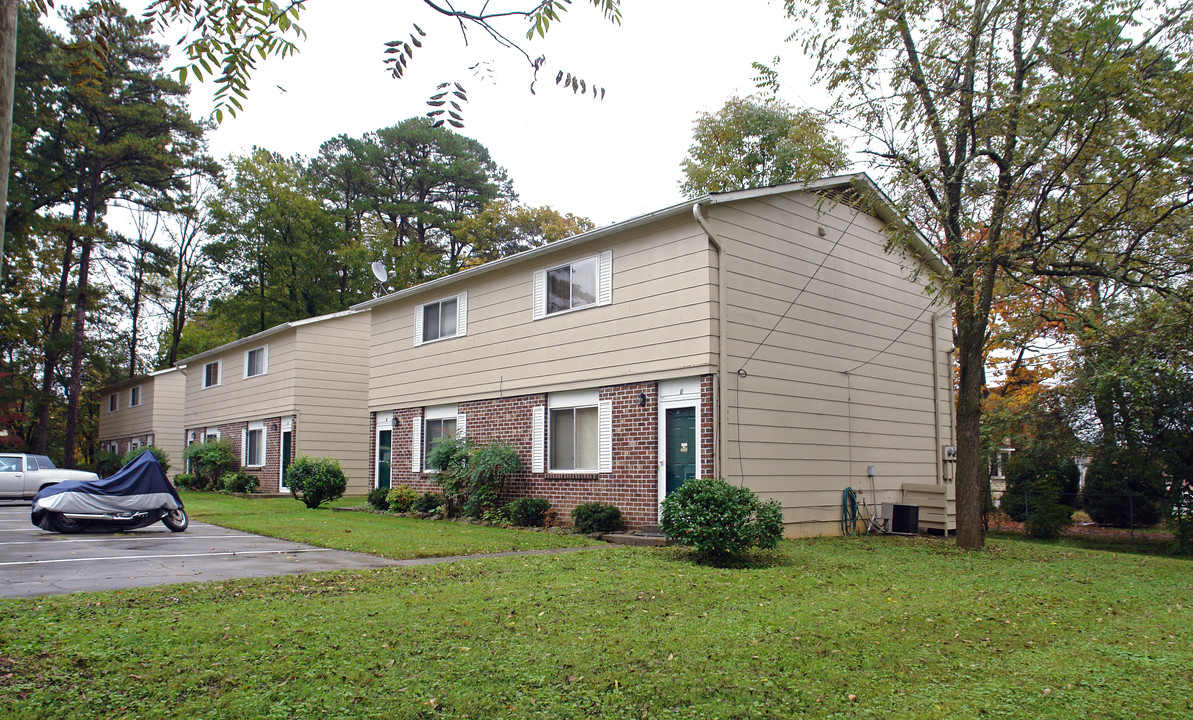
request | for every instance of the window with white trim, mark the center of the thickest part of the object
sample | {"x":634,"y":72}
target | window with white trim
{"x":112,"y":402}
{"x":573,"y":286}
{"x":211,"y":373}
{"x":253,"y":445}
{"x":579,"y":437}
{"x":442,"y":319}
{"x":134,"y":396}
{"x":211,"y":435}
{"x":256,"y":361}
{"x":440,"y":422}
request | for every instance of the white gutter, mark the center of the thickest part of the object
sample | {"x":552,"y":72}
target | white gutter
{"x":721,"y":409}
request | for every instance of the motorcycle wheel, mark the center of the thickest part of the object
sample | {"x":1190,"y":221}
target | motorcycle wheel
{"x":176,"y":520}
{"x":65,"y":525}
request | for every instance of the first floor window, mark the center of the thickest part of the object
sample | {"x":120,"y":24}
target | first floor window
{"x":574,"y":439}
{"x":255,"y":445}
{"x":438,"y":430}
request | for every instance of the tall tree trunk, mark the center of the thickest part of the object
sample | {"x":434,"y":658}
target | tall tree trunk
{"x":76,"y":364}
{"x":49,"y":366}
{"x":138,"y":282}
{"x":970,"y":531}
{"x":8,"y":73}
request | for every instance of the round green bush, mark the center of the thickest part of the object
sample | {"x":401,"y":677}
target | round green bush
{"x":429,"y":502}
{"x":401,"y":498}
{"x":530,"y":512}
{"x":316,"y":481}
{"x":238,"y":481}
{"x":719,"y":519}
{"x":377,"y":499}
{"x":185,"y":481}
{"x":208,"y":461}
{"x":106,"y":462}
{"x":596,"y":517}
{"x":163,"y":458}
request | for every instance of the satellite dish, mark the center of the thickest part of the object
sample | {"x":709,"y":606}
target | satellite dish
{"x":380,"y":272}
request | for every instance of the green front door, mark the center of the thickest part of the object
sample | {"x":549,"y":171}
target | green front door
{"x":384,"y":443}
{"x":682,"y":453}
{"x":286,"y":453}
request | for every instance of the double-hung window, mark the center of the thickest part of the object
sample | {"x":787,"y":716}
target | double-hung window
{"x":256,"y":361}
{"x":439,"y":423}
{"x":578,"y":435}
{"x":253,"y":448}
{"x":442,"y":319}
{"x":134,"y":396}
{"x":582,"y":283}
{"x":112,"y":402}
{"x":211,"y":373}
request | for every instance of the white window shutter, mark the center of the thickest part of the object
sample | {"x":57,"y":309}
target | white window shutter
{"x":461,"y":424}
{"x":416,"y":444}
{"x":540,"y":294}
{"x":538,"y":438}
{"x":605,"y":279}
{"x":418,"y":326}
{"x":605,"y":436}
{"x":244,"y":446}
{"x":462,"y":314}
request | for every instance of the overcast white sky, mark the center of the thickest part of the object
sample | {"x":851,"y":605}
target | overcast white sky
{"x":605,"y":159}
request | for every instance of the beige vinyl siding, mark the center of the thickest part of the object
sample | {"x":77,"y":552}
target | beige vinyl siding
{"x":331,"y":380}
{"x":169,"y":406}
{"x":237,"y":398}
{"x":126,"y":421}
{"x":798,"y":428}
{"x":658,"y":325}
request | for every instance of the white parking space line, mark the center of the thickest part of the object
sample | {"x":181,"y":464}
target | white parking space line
{"x":162,"y":557}
{"x":125,"y":538}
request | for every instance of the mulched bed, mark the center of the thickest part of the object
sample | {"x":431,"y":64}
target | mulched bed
{"x":1001,"y":523}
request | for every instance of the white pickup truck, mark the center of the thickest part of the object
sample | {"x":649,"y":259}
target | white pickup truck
{"x":21,"y":476}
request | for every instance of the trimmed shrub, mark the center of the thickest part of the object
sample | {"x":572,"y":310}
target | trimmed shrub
{"x":106,"y":463}
{"x":719,"y":519}
{"x":208,"y":461}
{"x":531,"y":512}
{"x":162,"y":457}
{"x":596,"y":517}
{"x":377,"y":499}
{"x":238,"y":481}
{"x":486,"y":470}
{"x":185,"y":481}
{"x":316,"y":481}
{"x":429,"y":502}
{"x":401,"y":498}
{"x":1124,"y":487}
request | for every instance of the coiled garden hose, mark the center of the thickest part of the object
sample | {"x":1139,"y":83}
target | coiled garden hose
{"x":848,"y":512}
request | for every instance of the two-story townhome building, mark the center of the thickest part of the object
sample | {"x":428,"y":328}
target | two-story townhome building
{"x":142,"y":411}
{"x":298,"y":388}
{"x":779,"y":338}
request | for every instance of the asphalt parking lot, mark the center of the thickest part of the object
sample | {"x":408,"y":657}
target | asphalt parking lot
{"x":35,"y":562}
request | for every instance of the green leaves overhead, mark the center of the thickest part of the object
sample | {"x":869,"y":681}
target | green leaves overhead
{"x":448,"y":109}
{"x":398,"y":52}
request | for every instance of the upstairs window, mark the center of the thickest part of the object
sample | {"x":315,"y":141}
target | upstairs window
{"x":441,"y":319}
{"x":112,"y":402}
{"x":579,"y":284}
{"x":134,"y":396}
{"x":256,"y":361}
{"x":211,"y":374}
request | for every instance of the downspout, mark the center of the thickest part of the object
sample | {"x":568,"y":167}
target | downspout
{"x":721,"y":408}
{"x":936,"y":398}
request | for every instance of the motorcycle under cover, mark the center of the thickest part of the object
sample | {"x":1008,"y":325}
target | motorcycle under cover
{"x":140,"y":485}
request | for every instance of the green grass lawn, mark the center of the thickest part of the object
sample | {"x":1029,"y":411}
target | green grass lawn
{"x":374,"y":533}
{"x":826,"y":628}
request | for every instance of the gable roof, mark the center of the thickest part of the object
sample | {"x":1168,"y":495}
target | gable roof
{"x":847,"y":188}
{"x":257,"y":337}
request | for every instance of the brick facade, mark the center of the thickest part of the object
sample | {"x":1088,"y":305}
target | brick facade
{"x":633,"y":484}
{"x":269,"y":474}
{"x":122,"y":445}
